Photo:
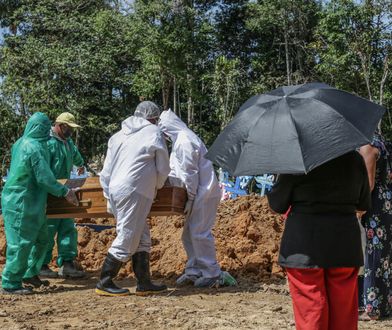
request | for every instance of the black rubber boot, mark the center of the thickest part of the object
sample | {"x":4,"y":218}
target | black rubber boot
{"x":69,"y":270}
{"x":35,"y":281}
{"x":105,"y":286}
{"x":141,"y":268}
{"x":47,"y":272}
{"x":19,"y":291}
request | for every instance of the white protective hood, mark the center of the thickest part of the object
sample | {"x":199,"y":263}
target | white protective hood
{"x":133,"y":124}
{"x":136,"y":160}
{"x":187,"y":161}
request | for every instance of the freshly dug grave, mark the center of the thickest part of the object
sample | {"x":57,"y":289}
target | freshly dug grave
{"x":247,"y":238}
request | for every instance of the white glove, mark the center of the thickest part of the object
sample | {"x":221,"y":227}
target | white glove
{"x":71,"y":197}
{"x":188,"y":207}
{"x":109,"y":207}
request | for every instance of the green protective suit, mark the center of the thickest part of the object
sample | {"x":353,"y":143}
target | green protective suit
{"x":63,"y":155}
{"x":24,"y":203}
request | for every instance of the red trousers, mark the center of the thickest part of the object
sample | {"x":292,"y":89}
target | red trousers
{"x":324,"y":298}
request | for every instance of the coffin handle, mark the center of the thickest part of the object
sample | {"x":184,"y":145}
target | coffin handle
{"x":85,"y":202}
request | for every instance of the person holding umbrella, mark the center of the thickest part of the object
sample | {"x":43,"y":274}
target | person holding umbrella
{"x":308,"y":134}
{"x":321,"y":244}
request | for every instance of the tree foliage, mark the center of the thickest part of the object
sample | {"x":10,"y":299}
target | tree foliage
{"x":353,"y":42}
{"x":203,"y":59}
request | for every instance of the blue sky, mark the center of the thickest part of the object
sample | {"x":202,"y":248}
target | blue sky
{"x":1,"y":35}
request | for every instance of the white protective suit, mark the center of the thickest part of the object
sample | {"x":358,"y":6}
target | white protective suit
{"x":187,"y":163}
{"x":136,"y":165}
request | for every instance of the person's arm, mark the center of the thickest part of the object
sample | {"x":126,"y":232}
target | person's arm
{"x":364,"y":202}
{"x":44,"y":176}
{"x":188,"y":158}
{"x":370,"y":155}
{"x":104,"y":176}
{"x":279,"y":198}
{"x":52,"y":148}
{"x":77,"y":158}
{"x":162,"y":162}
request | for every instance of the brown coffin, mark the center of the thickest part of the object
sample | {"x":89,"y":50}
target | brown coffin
{"x":92,"y":204}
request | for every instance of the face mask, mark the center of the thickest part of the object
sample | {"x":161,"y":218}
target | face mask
{"x":66,"y":131}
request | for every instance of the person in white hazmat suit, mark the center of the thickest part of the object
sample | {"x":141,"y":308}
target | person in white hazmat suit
{"x":187,"y":163}
{"x":136,"y":165}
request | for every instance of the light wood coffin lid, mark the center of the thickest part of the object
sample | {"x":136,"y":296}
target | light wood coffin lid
{"x":92,"y":204}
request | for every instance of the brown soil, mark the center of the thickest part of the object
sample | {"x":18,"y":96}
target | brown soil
{"x":247,"y":239}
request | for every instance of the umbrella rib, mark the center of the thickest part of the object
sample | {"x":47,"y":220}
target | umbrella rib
{"x":299,"y":142}
{"x":340,"y":115}
{"x":247,"y":136}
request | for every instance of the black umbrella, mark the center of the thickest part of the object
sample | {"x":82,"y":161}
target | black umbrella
{"x":293,"y":129}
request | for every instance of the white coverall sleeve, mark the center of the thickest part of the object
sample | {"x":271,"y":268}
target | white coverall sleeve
{"x":104,"y":177}
{"x":162,"y":162}
{"x":188,"y":161}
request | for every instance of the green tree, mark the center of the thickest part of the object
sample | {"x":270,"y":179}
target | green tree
{"x":353,"y":45}
{"x":175,"y":39}
{"x":284,"y":29}
{"x":12,"y":125}
{"x":226,"y":84}
{"x":72,"y":56}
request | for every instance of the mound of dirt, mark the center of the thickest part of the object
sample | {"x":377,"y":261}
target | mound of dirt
{"x":3,"y":243}
{"x":247,"y":238}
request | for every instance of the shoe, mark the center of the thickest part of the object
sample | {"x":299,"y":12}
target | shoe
{"x":141,"y":268}
{"x":19,"y":291}
{"x":224,"y":279}
{"x":35,"y":281}
{"x":105,"y":286}
{"x":47,"y":272}
{"x":186,"y":279}
{"x":68,"y":270}
{"x":207,"y":282}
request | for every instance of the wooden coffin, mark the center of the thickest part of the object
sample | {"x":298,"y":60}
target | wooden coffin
{"x":92,"y":204}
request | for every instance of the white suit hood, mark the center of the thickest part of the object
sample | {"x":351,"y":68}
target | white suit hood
{"x":137,"y":160}
{"x":172,"y":125}
{"x":187,"y":160}
{"x":133,"y":124}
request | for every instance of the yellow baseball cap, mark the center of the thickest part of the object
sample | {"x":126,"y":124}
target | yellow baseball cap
{"x":67,"y":118}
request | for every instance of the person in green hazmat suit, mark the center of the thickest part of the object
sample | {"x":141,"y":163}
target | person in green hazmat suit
{"x":23,"y":203}
{"x":63,"y":154}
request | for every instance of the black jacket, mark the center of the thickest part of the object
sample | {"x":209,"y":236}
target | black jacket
{"x":322,"y":229}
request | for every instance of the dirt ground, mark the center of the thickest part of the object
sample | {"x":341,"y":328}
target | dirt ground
{"x":247,"y":240}
{"x":74,"y":305}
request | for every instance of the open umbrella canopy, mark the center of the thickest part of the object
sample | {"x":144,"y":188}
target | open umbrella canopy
{"x":294,"y":129}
